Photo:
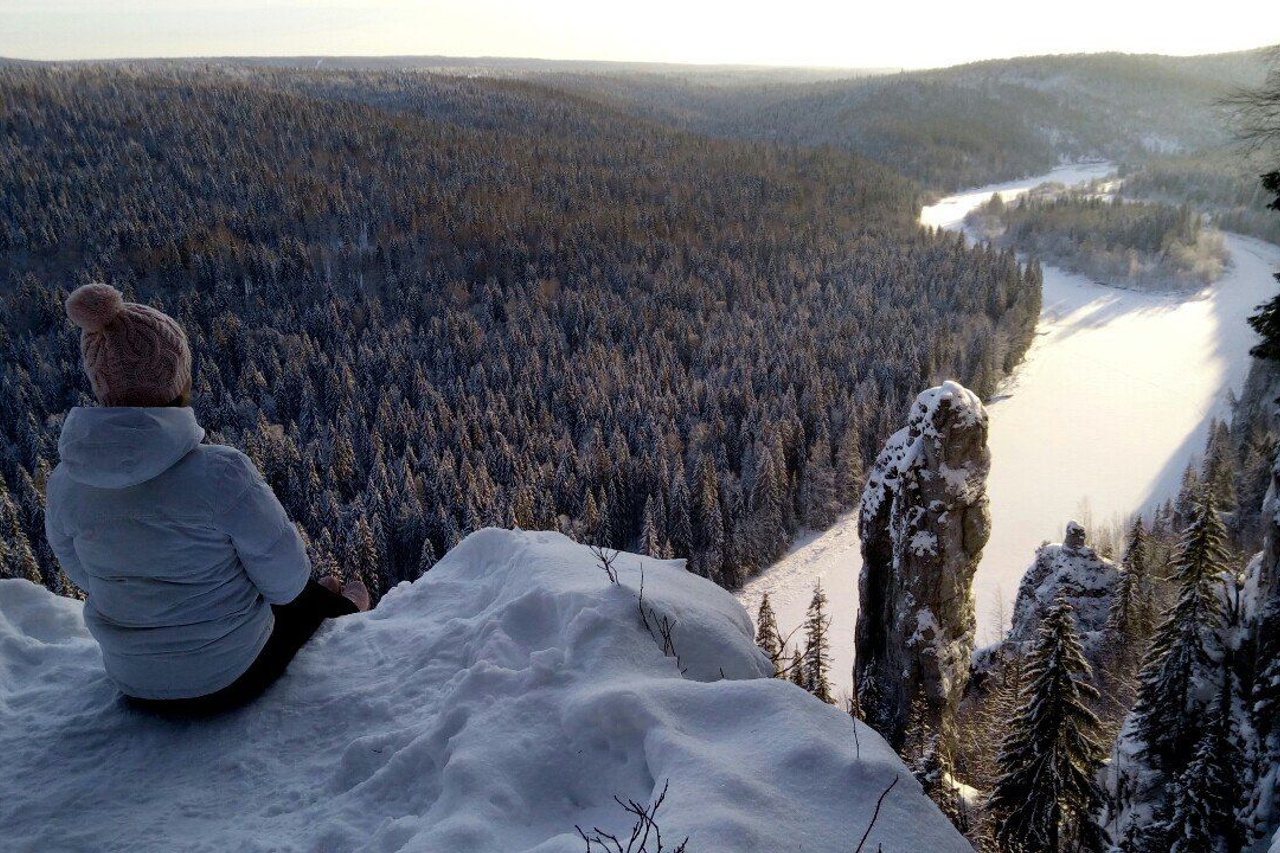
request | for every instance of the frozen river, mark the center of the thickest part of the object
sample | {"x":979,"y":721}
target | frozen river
{"x":1113,"y":399}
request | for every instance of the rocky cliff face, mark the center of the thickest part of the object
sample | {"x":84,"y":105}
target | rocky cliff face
{"x":1072,"y":568}
{"x":923,"y":523}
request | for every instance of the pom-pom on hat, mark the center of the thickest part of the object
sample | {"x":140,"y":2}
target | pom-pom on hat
{"x":134,"y":355}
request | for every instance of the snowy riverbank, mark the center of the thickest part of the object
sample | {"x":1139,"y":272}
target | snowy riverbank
{"x":1114,"y":398}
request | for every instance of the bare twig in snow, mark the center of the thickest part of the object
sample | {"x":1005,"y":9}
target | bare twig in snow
{"x":604,"y":559}
{"x":659,"y":627}
{"x":875,"y":815}
{"x":643,"y":830}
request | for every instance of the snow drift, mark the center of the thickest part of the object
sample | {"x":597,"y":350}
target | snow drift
{"x":490,"y":706}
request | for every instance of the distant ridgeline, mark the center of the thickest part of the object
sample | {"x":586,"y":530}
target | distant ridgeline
{"x":425,"y":305}
{"x":1149,"y":245}
{"x":964,"y":126}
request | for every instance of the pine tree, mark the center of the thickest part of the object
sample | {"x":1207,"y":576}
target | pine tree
{"x":426,"y":558}
{"x":1252,"y":481}
{"x":366,"y":565}
{"x":592,"y":529}
{"x":1046,"y":796}
{"x":1201,"y":810}
{"x":820,"y":501}
{"x":767,"y":637}
{"x":713,"y":558}
{"x":1218,"y":470}
{"x":1188,"y":496}
{"x":650,"y":540}
{"x":342,"y":466}
{"x":934,"y":770}
{"x":1167,"y":713}
{"x":817,"y":654}
{"x":711,"y":530}
{"x":795,"y":670}
{"x":17,"y":560}
{"x":768,"y":535}
{"x":849,"y":473}
{"x":679,"y":522}
{"x":1131,"y":617}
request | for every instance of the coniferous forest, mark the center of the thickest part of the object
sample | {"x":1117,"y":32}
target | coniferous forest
{"x":1129,"y":243}
{"x":425,"y":309}
{"x":685,"y":316}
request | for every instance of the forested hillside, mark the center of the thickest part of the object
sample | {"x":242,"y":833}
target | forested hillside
{"x":1143,"y":244}
{"x":947,"y":128}
{"x":1221,"y":182}
{"x":428,"y":304}
{"x":969,"y":125}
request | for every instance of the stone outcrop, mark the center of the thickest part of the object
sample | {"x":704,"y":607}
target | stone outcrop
{"x":923,"y":523}
{"x":1072,"y":568}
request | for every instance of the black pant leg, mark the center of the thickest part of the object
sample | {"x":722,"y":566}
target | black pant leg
{"x":295,"y":622}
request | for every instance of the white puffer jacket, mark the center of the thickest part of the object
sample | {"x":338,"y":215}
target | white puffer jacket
{"x":180,"y":548}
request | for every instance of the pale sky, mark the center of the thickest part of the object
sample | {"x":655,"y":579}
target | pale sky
{"x":844,"y":33}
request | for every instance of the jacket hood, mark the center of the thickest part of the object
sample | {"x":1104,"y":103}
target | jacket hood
{"x":114,"y":447}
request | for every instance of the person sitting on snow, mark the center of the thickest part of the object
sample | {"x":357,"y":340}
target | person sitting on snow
{"x":197,"y":586}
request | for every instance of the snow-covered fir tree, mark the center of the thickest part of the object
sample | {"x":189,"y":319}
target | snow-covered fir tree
{"x":819,"y":495}
{"x":849,"y":470}
{"x":1046,"y":796}
{"x":1201,"y":808}
{"x":1131,"y":616}
{"x":795,"y":669}
{"x":1132,"y":612}
{"x":817,"y":652}
{"x":17,"y":559}
{"x":1219,"y":467}
{"x":767,"y":636}
{"x":932,"y":765}
{"x":1189,"y":495}
{"x":1179,"y":663}
{"x":426,"y":557}
{"x":650,"y":538}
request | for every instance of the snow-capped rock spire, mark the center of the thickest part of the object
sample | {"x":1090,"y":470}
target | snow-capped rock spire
{"x":923,"y":524}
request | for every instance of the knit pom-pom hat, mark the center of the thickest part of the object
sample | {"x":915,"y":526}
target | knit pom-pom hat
{"x":134,"y":355}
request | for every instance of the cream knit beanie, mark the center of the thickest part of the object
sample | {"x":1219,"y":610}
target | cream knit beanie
{"x":134,"y":355}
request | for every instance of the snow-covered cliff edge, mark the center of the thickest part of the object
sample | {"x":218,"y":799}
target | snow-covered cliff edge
{"x":490,"y":706}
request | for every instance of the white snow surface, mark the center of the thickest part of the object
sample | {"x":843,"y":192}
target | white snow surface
{"x":490,"y":706}
{"x":832,"y":558}
{"x":1114,"y":398}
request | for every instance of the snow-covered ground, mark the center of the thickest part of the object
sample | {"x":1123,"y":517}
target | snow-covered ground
{"x":1114,"y":398}
{"x":490,"y":706}
{"x":831,"y":558}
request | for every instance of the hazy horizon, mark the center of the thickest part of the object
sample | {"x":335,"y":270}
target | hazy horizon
{"x":813,"y":34}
